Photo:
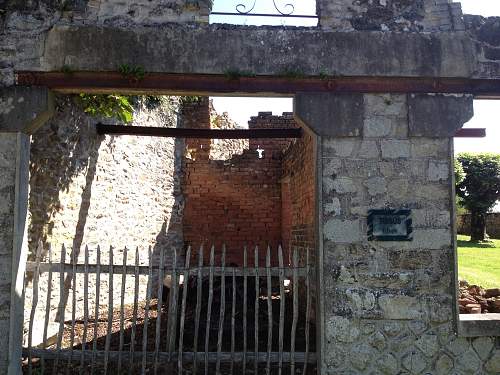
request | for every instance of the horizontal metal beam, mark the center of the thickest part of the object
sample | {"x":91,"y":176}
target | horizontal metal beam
{"x":279,"y":15}
{"x":166,"y":357}
{"x":198,"y":133}
{"x":234,"y":84}
{"x":471,"y":133}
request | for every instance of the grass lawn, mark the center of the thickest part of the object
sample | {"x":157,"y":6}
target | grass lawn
{"x":479,"y":263}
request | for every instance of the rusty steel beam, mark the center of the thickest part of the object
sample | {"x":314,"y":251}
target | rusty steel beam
{"x":471,"y":133}
{"x":198,"y":133}
{"x":199,"y":84}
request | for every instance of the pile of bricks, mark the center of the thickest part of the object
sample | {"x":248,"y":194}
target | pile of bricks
{"x":475,"y":300}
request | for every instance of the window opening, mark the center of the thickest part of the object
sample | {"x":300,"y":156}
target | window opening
{"x":260,"y":12}
{"x":478,"y":260}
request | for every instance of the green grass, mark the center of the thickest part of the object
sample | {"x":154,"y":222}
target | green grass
{"x":479,"y":263}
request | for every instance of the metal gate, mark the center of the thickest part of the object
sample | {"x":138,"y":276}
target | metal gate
{"x":88,"y":316}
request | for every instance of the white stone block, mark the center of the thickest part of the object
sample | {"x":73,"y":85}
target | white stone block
{"x":346,"y":231}
{"x":394,"y":149}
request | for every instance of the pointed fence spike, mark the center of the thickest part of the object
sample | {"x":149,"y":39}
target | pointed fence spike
{"x":221,"y":309}
{"x":34,"y":304}
{"x":110,"y":311}
{"x":282,"y":309}
{"x":269,"y":310}
{"x":122,"y":309}
{"x":85,"y":308}
{"x":47,"y":306}
{"x":209,"y":305}
{"x":134,"y":312}
{"x":161,"y":267}
{"x":146,"y":311}
{"x":96,"y":311}
{"x":199,"y":285}
{"x":62,"y":307}
{"x":256,"y":315}
{"x":183,"y":306}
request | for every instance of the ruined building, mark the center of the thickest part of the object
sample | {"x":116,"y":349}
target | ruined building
{"x":380,"y":89}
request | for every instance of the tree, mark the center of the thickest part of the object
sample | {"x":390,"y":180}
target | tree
{"x":480,"y":189}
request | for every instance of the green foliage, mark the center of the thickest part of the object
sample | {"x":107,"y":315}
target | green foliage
{"x":233,"y":74}
{"x":66,"y":69}
{"x":292,"y":73}
{"x":459,"y":172}
{"x":480,"y":188}
{"x":323,"y":75}
{"x":135,"y":73}
{"x":110,"y":106}
{"x":190,"y":99}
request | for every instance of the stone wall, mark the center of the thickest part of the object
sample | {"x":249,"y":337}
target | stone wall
{"x":391,"y":15}
{"x":485,"y":33}
{"x":36,"y":36}
{"x":92,"y":190}
{"x":492,"y":224}
{"x":8,"y":142}
{"x":389,"y":306}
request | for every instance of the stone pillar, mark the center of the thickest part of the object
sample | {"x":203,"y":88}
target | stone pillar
{"x":22,"y":111}
{"x":387,"y":307}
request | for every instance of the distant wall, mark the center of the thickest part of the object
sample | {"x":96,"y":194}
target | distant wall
{"x":298,"y":196}
{"x":87,"y":189}
{"x":393,"y":15}
{"x":235,"y":201}
{"x":492,"y":224}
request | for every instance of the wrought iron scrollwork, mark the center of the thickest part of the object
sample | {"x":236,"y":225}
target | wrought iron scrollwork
{"x":245,"y":8}
{"x":290,"y":7}
{"x":242,"y":8}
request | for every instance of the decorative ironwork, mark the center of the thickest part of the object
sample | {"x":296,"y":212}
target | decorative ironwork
{"x":284,"y":10}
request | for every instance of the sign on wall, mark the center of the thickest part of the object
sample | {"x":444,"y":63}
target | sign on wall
{"x":390,"y":225}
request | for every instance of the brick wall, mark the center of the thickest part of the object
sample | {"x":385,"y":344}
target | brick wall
{"x":236,"y":201}
{"x":298,"y":195}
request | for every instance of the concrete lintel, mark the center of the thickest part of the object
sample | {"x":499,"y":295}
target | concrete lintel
{"x":330,"y":115}
{"x":435,"y":115}
{"x":25,"y":109}
{"x":479,"y":325}
{"x":222,"y":49}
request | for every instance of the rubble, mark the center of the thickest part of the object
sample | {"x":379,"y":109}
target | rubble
{"x":473,"y":299}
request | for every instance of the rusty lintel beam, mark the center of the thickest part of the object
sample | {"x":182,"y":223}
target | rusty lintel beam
{"x":232,"y":133}
{"x":200,"y":84}
{"x":471,"y":133}
{"x":198,"y":133}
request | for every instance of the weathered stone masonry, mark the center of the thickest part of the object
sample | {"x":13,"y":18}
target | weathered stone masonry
{"x":391,"y":304}
{"x":92,"y":190}
{"x":388,"y":306}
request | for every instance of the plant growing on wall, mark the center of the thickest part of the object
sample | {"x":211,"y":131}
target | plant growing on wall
{"x":110,"y":106}
{"x":479,"y":190}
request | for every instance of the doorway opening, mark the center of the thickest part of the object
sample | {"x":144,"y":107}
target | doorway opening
{"x":225,"y":284}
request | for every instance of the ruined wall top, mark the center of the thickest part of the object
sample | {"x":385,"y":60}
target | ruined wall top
{"x":344,"y":15}
{"x":422,"y":38}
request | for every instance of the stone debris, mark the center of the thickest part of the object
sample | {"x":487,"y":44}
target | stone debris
{"x":472,"y":299}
